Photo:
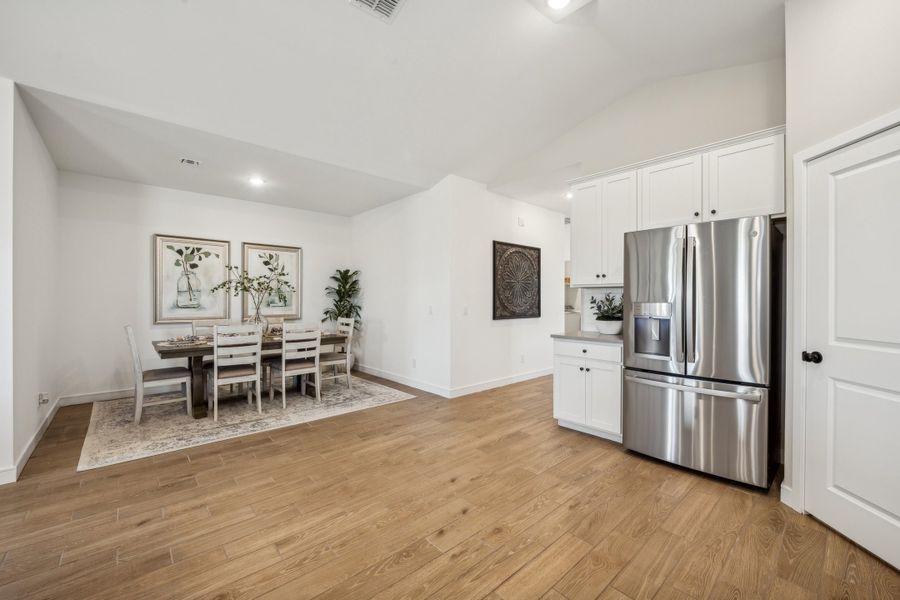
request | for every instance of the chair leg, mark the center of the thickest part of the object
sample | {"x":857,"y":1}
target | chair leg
{"x":272,"y":391}
{"x":318,"y":392}
{"x":187,"y":394}
{"x":303,"y":379}
{"x":138,"y":403}
{"x":215,"y":400}
{"x":258,"y":396}
{"x":283,"y":391}
{"x":250,"y":394}
{"x":349,"y":384}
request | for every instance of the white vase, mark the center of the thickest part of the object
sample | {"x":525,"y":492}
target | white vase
{"x":609,"y":327}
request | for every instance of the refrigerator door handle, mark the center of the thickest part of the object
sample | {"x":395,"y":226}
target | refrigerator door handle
{"x":690,"y":318}
{"x":751,"y":397}
{"x":678,"y":337}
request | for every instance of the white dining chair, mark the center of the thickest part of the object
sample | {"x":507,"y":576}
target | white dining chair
{"x":336,"y":359}
{"x":206,"y":326}
{"x":299,"y":358}
{"x":272,"y":352}
{"x":153,"y":378}
{"x":236,"y":359}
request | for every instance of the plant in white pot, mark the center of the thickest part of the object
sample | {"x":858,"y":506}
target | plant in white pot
{"x":608,"y":312}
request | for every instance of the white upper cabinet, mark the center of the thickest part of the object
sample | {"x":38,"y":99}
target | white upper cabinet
{"x":618,"y":215}
{"x":586,"y":234}
{"x":671,"y":193}
{"x":745,"y":180}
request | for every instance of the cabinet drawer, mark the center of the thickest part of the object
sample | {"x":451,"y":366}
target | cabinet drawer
{"x":607,"y":352}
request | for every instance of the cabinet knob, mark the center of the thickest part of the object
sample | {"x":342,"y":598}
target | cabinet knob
{"x":696,"y":214}
{"x":597,"y":275}
{"x":603,"y":276}
{"x":713,"y":211}
{"x":581,"y":368}
{"x":587,"y":369}
{"x":584,"y":350}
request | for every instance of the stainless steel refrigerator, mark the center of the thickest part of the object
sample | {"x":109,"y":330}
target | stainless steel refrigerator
{"x":698,"y":326}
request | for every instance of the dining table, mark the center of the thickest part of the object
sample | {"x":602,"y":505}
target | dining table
{"x":196,"y":350}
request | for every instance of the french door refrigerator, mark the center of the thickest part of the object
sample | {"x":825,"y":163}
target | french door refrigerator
{"x":698,"y":345}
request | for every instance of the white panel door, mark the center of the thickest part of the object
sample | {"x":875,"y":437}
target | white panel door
{"x":852,"y":319}
{"x":618,"y":215}
{"x":745,"y":180}
{"x":586,"y":235}
{"x":604,"y":396}
{"x":569,"y":390}
{"x":671,"y":193}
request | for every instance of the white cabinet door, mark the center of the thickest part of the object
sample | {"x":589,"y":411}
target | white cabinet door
{"x":604,"y":384}
{"x":671,"y":193}
{"x":618,"y":215}
{"x":745,"y":179}
{"x":853,"y":392}
{"x":586,"y":235}
{"x":569,"y":390}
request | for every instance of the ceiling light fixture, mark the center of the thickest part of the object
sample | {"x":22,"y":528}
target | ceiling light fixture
{"x":257,"y":181}
{"x":558,"y":4}
{"x":569,"y":195}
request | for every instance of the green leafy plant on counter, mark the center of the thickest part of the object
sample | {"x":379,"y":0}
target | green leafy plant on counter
{"x":608,"y":308}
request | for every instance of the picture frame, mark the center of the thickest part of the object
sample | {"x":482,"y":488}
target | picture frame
{"x":290,"y":305}
{"x":181,"y":287}
{"x":516,"y":281}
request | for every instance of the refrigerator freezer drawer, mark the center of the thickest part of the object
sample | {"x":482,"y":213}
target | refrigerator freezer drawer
{"x":717,"y":428}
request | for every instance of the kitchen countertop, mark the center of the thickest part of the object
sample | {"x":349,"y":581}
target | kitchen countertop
{"x":588,"y":336}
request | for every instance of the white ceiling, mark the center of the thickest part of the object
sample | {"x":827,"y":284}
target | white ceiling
{"x":346,"y":111}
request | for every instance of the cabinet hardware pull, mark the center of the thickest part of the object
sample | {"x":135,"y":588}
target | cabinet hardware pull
{"x":713,"y":211}
{"x":696,"y":214}
{"x":603,"y":276}
{"x":587,"y":369}
{"x":584,"y":350}
{"x":581,"y":368}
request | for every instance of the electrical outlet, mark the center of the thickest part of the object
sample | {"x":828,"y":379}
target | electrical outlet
{"x":465,"y":311}
{"x":414,"y":363}
{"x":522,"y":358}
{"x":430,"y":311}
{"x":521,"y":222}
{"x":43,"y":398}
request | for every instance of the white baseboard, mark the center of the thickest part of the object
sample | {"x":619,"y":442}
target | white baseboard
{"x":11,"y":474}
{"x":465,"y":390}
{"x":591,"y":431}
{"x":90,"y":397}
{"x":787,"y":498}
{"x":402,"y":379}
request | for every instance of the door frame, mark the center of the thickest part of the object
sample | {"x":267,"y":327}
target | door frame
{"x":794,"y":495}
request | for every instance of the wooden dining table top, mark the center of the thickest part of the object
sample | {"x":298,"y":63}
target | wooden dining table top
{"x":179,"y":349}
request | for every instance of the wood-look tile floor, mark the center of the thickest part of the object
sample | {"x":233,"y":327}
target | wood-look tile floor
{"x":479,"y":497}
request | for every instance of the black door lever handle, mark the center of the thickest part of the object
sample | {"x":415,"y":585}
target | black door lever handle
{"x":814,"y":357}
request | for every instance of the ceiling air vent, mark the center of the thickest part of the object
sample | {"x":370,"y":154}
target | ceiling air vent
{"x":383,"y":9}
{"x":190,"y":162}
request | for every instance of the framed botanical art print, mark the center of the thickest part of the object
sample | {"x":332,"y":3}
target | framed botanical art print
{"x":517,"y":281}
{"x":263,"y":259}
{"x":186,"y":269}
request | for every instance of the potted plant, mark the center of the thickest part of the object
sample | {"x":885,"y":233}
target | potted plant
{"x":343,"y":294}
{"x":608,"y":312}
{"x":258,"y":288}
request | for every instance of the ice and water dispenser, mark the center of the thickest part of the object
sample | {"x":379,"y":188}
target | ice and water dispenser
{"x":652,"y":328}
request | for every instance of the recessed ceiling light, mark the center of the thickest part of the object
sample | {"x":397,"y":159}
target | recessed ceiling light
{"x":558,"y":4}
{"x":569,"y":195}
{"x":257,"y":181}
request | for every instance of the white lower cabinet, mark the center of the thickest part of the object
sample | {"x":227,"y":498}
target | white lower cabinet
{"x":587,"y":393}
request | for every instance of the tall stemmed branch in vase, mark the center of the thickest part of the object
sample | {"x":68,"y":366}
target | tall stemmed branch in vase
{"x":257,"y":288}
{"x":189,"y":259}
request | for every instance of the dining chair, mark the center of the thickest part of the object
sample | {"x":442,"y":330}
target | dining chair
{"x":152,"y":378}
{"x":236,"y":359}
{"x":273,"y":352}
{"x":345,"y":326}
{"x":299,"y":358}
{"x":205,"y":326}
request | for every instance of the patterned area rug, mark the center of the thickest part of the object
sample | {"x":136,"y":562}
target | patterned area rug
{"x":113,"y":437}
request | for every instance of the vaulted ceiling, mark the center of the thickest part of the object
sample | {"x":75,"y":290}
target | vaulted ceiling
{"x":377,"y":109}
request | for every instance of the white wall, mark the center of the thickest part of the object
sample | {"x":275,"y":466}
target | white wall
{"x":35,"y":274}
{"x":403,"y":252}
{"x":106,"y":266}
{"x":665,"y":117}
{"x":842,"y":63}
{"x":7,"y":107}
{"x":487,"y":353}
{"x":426,"y":275}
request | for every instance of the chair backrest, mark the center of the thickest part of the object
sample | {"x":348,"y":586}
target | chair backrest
{"x":236,"y":345}
{"x":206,"y":326}
{"x":345,"y":326}
{"x":298,"y":342}
{"x":135,"y":356}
